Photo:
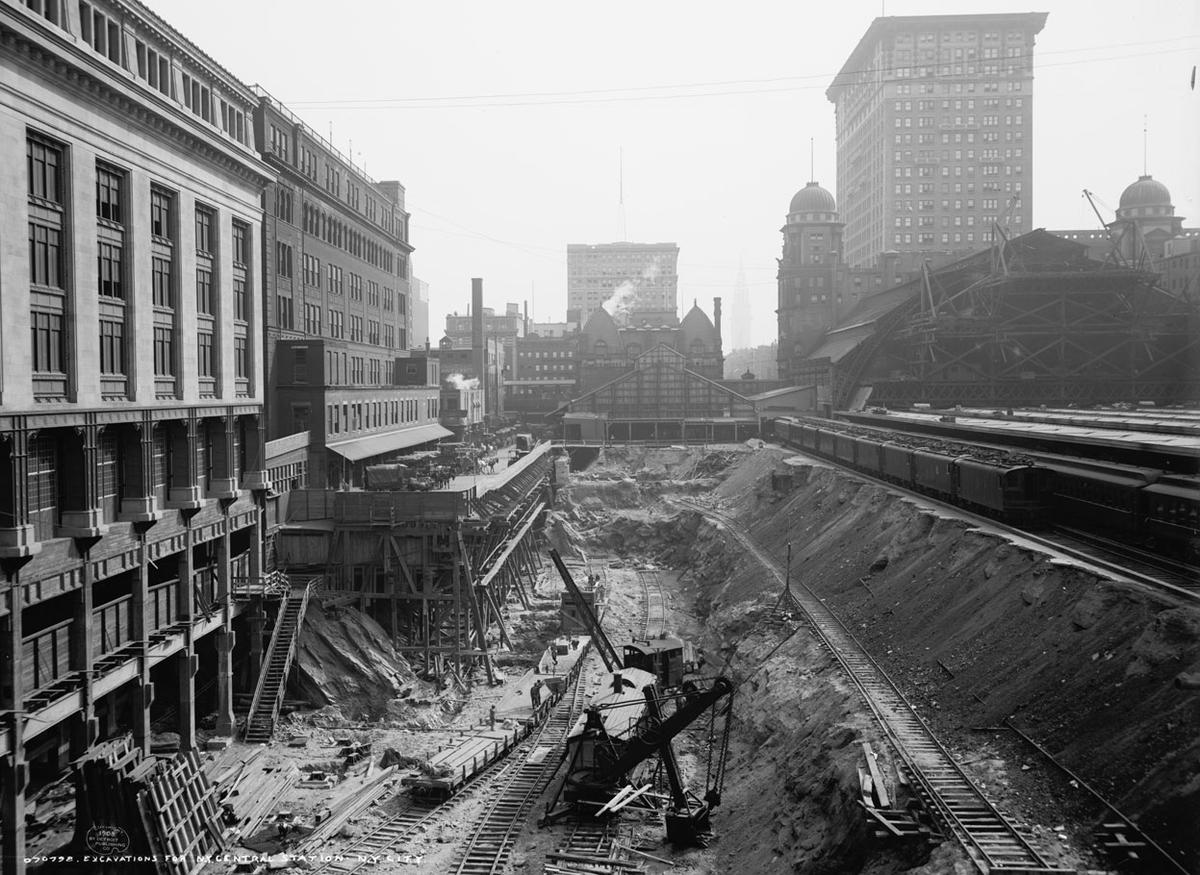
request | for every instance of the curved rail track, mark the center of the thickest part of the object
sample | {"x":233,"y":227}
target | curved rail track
{"x":490,"y":843}
{"x":654,"y":616}
{"x":991,"y":840}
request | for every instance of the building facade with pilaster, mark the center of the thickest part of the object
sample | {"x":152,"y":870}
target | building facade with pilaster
{"x":131,"y":387}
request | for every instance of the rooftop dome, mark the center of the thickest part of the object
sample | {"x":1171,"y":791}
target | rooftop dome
{"x":1146,"y":192}
{"x":813,"y":199}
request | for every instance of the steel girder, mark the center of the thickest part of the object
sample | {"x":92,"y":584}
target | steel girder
{"x":1064,"y":336}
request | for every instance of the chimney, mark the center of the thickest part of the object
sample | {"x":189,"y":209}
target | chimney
{"x":717,"y":319}
{"x":393,"y":191}
{"x":477,"y":330}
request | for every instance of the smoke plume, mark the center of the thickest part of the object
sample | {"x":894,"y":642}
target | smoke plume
{"x":621,"y":303}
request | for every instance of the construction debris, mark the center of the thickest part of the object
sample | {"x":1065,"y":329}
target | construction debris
{"x":130,"y":807}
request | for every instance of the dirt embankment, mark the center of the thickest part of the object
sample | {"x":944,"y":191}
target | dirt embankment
{"x":346,"y":659}
{"x":975,"y":628}
{"x":981,"y":629}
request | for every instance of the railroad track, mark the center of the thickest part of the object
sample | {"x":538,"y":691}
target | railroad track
{"x":382,"y":841}
{"x":491,"y":841}
{"x":593,"y":838}
{"x":1129,"y":560}
{"x":386,"y":839}
{"x":654,"y":617}
{"x":1107,"y":556}
{"x":991,"y":840}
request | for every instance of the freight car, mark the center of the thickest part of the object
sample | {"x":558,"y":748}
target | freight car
{"x":1141,"y":506}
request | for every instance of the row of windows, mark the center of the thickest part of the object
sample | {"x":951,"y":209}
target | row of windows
{"x":546,"y":354}
{"x":357,"y":416}
{"x":338,"y":233}
{"x":50,"y":326}
{"x":926,"y":171}
{"x":281,"y":145}
{"x":932,"y":155}
{"x":968,"y":204}
{"x":958,"y":221}
{"x":958,"y":187}
{"x":336,"y":285}
{"x":337,"y":322}
{"x":958,"y":237}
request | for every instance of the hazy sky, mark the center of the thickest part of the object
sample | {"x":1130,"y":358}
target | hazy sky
{"x":504,"y":121}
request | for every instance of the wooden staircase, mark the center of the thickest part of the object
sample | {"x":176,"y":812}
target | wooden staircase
{"x":278,"y":662}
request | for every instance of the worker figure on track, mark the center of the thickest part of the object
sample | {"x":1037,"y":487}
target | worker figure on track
{"x":535,"y":695}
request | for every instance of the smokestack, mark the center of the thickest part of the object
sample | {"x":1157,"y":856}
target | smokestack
{"x":477,"y":330}
{"x":717,"y":319}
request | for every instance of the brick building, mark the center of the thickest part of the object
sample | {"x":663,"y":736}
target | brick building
{"x":338,"y":316}
{"x":543,"y":373}
{"x":131,"y":429}
{"x":934,"y":133}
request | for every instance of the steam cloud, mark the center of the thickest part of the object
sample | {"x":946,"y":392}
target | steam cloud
{"x":458,"y":381}
{"x":620,"y":303}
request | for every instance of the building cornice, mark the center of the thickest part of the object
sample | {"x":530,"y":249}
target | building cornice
{"x":51,"y":51}
{"x":860,"y":58}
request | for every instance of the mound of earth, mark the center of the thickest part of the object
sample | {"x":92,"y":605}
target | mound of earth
{"x":346,"y":659}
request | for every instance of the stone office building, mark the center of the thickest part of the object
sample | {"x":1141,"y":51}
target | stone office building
{"x":131,"y":441}
{"x":935,"y":134}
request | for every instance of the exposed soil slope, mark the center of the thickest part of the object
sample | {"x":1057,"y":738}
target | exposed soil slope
{"x":975,"y":628}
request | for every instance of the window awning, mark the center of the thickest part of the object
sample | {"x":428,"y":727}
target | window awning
{"x":364,"y":447}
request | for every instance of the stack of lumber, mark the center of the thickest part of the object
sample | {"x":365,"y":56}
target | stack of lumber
{"x":256,"y":794}
{"x":885,"y":820}
{"x":562,"y":863}
{"x":355,"y":798}
{"x":230,"y":768}
{"x":136,"y":814}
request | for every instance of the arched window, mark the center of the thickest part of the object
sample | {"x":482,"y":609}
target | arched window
{"x":600,"y":348}
{"x":697,"y":347}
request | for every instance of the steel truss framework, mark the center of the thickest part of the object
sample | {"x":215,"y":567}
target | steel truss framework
{"x":1013,"y":332}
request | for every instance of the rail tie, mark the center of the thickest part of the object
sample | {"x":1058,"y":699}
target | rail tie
{"x":993,"y":843}
{"x":491,"y":842}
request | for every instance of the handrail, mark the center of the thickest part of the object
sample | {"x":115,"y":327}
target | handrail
{"x":46,"y":631}
{"x":288,"y":656}
{"x":262,"y":672}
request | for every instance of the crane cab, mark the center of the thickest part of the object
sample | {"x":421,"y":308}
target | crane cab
{"x":662,"y":657}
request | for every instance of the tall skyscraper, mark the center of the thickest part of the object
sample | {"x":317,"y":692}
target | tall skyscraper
{"x":934,"y":133}
{"x":629,"y":277}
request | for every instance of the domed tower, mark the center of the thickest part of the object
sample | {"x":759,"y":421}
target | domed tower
{"x":810,"y":273}
{"x":1145,"y":219}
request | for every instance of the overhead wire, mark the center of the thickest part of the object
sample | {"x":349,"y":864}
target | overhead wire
{"x":633,"y":93}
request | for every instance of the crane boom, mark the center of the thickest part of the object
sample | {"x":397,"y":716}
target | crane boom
{"x":608,"y":653}
{"x":642,"y":746}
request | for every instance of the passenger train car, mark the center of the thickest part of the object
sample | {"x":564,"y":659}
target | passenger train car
{"x":1139,"y":506}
